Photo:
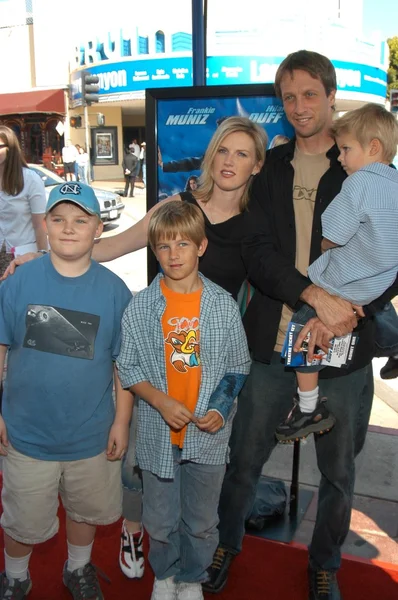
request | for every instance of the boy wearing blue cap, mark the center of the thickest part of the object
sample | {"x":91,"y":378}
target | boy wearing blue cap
{"x":60,"y":432}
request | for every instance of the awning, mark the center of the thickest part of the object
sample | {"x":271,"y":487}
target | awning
{"x":40,"y":101}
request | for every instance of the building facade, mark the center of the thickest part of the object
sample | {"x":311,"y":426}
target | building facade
{"x":150,"y":47}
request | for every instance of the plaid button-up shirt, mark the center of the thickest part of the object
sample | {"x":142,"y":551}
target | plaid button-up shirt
{"x":223,"y":349}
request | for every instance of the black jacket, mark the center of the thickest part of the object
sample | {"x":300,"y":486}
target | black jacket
{"x":130,"y":162}
{"x":269,"y":252}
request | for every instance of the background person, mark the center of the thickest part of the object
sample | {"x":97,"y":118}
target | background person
{"x":297,"y":183}
{"x":69,"y":156}
{"x":22,"y":202}
{"x":129,"y":165}
{"x":82,"y":161}
{"x":143,"y":162}
{"x":192,"y":184}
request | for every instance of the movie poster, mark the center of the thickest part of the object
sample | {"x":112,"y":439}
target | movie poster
{"x":186,"y":125}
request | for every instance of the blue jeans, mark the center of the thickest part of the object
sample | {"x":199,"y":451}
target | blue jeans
{"x":263,"y":403}
{"x":386,"y":334}
{"x":132,"y":477}
{"x":180,"y":516}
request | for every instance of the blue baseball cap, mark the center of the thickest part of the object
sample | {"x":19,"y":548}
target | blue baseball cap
{"x":79,"y":193}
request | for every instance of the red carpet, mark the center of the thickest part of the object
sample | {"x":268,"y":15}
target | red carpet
{"x":264,"y":570}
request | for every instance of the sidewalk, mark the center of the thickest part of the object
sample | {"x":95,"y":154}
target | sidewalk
{"x":374,"y":522}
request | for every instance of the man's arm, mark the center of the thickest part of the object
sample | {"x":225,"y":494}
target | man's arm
{"x":275,"y":275}
{"x":268,"y":269}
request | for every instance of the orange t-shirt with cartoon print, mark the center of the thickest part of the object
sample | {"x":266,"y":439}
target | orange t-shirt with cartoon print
{"x":181,"y":334}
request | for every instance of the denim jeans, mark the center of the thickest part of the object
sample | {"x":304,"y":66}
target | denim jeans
{"x":386,"y":331}
{"x":180,"y":516}
{"x":263,"y":403}
{"x":132,"y":477}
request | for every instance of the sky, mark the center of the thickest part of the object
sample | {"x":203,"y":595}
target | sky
{"x":380,"y":15}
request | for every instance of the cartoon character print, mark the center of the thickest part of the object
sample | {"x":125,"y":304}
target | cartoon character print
{"x":185,"y":349}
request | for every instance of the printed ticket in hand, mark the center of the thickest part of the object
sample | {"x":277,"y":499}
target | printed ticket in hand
{"x":340,"y":353}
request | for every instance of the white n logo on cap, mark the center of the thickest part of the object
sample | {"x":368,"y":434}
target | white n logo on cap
{"x":71,"y":188}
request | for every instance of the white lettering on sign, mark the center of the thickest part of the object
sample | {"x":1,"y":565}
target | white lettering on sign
{"x":113,"y":79}
{"x":186,"y":119}
{"x":262,"y":72}
{"x":348,"y":78}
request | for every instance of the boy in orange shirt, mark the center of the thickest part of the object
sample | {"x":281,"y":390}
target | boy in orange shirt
{"x":184,"y":354}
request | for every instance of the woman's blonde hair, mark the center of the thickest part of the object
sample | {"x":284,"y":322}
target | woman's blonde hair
{"x":371,"y":121}
{"x":12,"y":182}
{"x":176,"y":218}
{"x":228,"y":126}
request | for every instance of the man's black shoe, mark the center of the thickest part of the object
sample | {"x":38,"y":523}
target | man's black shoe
{"x":390,"y":369}
{"x":323,"y":585}
{"x":298,"y":424}
{"x":218,"y":571}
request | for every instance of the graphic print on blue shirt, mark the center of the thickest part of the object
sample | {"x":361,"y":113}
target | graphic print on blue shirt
{"x":61,"y":331}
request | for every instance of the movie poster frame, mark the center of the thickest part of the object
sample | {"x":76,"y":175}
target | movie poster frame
{"x":111,"y":132}
{"x":152,"y":98}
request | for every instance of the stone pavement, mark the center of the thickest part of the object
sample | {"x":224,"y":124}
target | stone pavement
{"x":374,"y":522}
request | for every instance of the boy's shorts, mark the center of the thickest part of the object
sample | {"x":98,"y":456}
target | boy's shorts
{"x":90,"y":489}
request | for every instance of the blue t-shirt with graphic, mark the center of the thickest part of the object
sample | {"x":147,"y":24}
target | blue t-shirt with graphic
{"x":63,"y":335}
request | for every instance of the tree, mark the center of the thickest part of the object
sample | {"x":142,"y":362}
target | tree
{"x":392,"y":73}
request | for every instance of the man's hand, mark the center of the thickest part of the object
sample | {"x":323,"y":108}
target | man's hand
{"x":320,"y":337}
{"x":3,"y":437}
{"x":117,"y":441}
{"x":19,"y":260}
{"x":211,"y":422}
{"x":335,"y":313}
{"x":358,"y":310}
{"x":174,"y":413}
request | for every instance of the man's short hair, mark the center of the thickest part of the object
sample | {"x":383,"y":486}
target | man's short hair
{"x":316,"y":65}
{"x":371,"y":121}
{"x":176,"y":218}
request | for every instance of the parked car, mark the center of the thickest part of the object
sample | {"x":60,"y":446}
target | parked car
{"x":111,"y":204}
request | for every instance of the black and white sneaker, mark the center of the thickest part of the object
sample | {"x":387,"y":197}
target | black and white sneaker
{"x":299,"y":425}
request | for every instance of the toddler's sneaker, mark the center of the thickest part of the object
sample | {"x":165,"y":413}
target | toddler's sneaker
{"x":299,"y":424}
{"x":164,"y":589}
{"x":83,"y":583}
{"x":131,"y":555}
{"x":14,"y":589}
{"x":189,"y":591}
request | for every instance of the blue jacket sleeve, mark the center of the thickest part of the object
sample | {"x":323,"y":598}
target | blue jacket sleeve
{"x":225,"y":393}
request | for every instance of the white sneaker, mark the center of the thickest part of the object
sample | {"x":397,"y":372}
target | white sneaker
{"x":131,"y":555}
{"x":164,"y":589}
{"x":189,"y":591}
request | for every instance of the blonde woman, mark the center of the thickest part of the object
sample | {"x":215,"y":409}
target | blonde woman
{"x":22,"y":202}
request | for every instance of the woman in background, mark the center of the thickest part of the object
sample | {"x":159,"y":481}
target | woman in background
{"x":82,"y":162}
{"x":22,"y":203}
{"x":192,"y":184}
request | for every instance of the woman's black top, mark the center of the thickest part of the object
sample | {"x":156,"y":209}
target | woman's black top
{"x":222,"y":262}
